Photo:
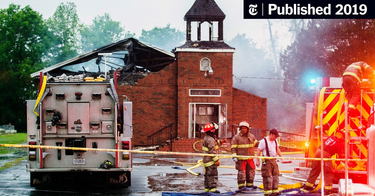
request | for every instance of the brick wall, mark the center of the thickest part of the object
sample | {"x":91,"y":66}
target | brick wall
{"x":190,"y":77}
{"x":250,"y":108}
{"x":154,"y":102}
{"x":162,"y":98}
{"x":182,"y":145}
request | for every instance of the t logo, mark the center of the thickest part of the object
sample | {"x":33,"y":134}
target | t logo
{"x":253,"y":9}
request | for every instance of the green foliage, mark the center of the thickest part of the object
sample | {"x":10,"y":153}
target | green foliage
{"x":101,"y":32}
{"x":65,"y":26}
{"x":17,"y":138}
{"x":24,"y":41}
{"x":325,"y":49}
{"x":166,"y":38}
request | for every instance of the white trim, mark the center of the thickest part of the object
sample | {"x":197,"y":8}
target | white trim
{"x":190,"y":95}
{"x":191,"y":130}
{"x":209,"y":64}
{"x":203,"y":50}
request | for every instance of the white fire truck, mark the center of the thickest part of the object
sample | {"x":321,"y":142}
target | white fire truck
{"x":83,"y":116}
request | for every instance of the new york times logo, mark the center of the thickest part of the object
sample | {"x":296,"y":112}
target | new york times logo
{"x":254,"y":10}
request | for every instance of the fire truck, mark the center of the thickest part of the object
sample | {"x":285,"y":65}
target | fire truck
{"x":327,"y":114}
{"x":79,"y":127}
{"x":81,"y":131}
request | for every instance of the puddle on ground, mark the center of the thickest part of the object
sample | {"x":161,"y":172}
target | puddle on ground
{"x":176,"y":182}
{"x":164,"y":160}
{"x":14,"y":154}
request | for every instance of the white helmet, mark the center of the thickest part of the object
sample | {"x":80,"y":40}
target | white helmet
{"x":244,"y":124}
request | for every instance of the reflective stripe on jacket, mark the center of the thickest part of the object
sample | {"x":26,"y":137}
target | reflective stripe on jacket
{"x":243,"y":144}
{"x":210,"y":147}
{"x":359,"y":70}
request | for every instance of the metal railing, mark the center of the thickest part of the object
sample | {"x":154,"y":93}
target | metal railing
{"x":292,"y":140}
{"x":164,"y":136}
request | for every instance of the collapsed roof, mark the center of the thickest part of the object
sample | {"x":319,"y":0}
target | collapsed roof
{"x":128,"y":55}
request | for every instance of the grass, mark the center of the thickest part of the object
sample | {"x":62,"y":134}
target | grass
{"x":12,"y":163}
{"x":17,"y":138}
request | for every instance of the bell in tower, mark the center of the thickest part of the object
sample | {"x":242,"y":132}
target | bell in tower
{"x":201,"y":12}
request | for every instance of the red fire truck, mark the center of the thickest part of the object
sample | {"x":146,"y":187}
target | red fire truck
{"x":328,"y":108}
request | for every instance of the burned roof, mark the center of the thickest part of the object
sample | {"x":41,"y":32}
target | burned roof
{"x":127,"y":54}
{"x":205,"y":10}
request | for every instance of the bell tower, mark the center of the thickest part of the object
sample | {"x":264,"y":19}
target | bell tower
{"x":204,"y":72}
{"x":205,"y":11}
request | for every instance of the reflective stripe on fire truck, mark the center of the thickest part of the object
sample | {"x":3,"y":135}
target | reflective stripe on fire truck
{"x":332,"y":106}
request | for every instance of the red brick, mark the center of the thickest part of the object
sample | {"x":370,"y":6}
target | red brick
{"x":163,"y":98}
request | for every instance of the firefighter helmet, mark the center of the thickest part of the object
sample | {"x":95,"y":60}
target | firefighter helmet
{"x":208,"y":127}
{"x":244,"y":124}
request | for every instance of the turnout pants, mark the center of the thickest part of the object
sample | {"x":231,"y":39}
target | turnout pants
{"x":270,"y":174}
{"x":316,"y":169}
{"x":210,"y":178}
{"x":246,"y":173}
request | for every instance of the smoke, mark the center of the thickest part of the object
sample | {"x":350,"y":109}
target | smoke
{"x":254,"y":72}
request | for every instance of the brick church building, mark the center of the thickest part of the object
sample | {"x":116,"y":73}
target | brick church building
{"x":175,"y":93}
{"x":197,"y":87}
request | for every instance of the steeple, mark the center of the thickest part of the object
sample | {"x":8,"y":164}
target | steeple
{"x":205,"y":11}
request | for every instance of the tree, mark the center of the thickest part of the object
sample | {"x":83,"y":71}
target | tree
{"x":295,"y":26}
{"x":273,"y":43}
{"x":65,"y":25}
{"x":24,"y":41}
{"x":166,"y":38}
{"x":325,"y":49}
{"x":101,"y":32}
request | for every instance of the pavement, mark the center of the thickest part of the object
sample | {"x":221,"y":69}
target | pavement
{"x":158,"y":175}
{"x":169,"y":180}
{"x":151,"y":175}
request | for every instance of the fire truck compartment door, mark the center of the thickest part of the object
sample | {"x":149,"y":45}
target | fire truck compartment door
{"x":78,"y":118}
{"x":128,"y":118}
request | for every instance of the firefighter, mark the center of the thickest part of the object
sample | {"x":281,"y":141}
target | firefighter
{"x":270,"y":170}
{"x":210,"y":163}
{"x":333,"y":144}
{"x":243,"y":144}
{"x":351,"y":82}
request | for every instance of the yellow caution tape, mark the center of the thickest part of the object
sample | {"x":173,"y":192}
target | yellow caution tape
{"x":167,"y":153}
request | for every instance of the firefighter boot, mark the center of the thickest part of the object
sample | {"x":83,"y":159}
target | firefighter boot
{"x":327,"y":192}
{"x":306,"y":189}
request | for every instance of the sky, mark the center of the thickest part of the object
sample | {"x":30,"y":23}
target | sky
{"x":136,"y":15}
